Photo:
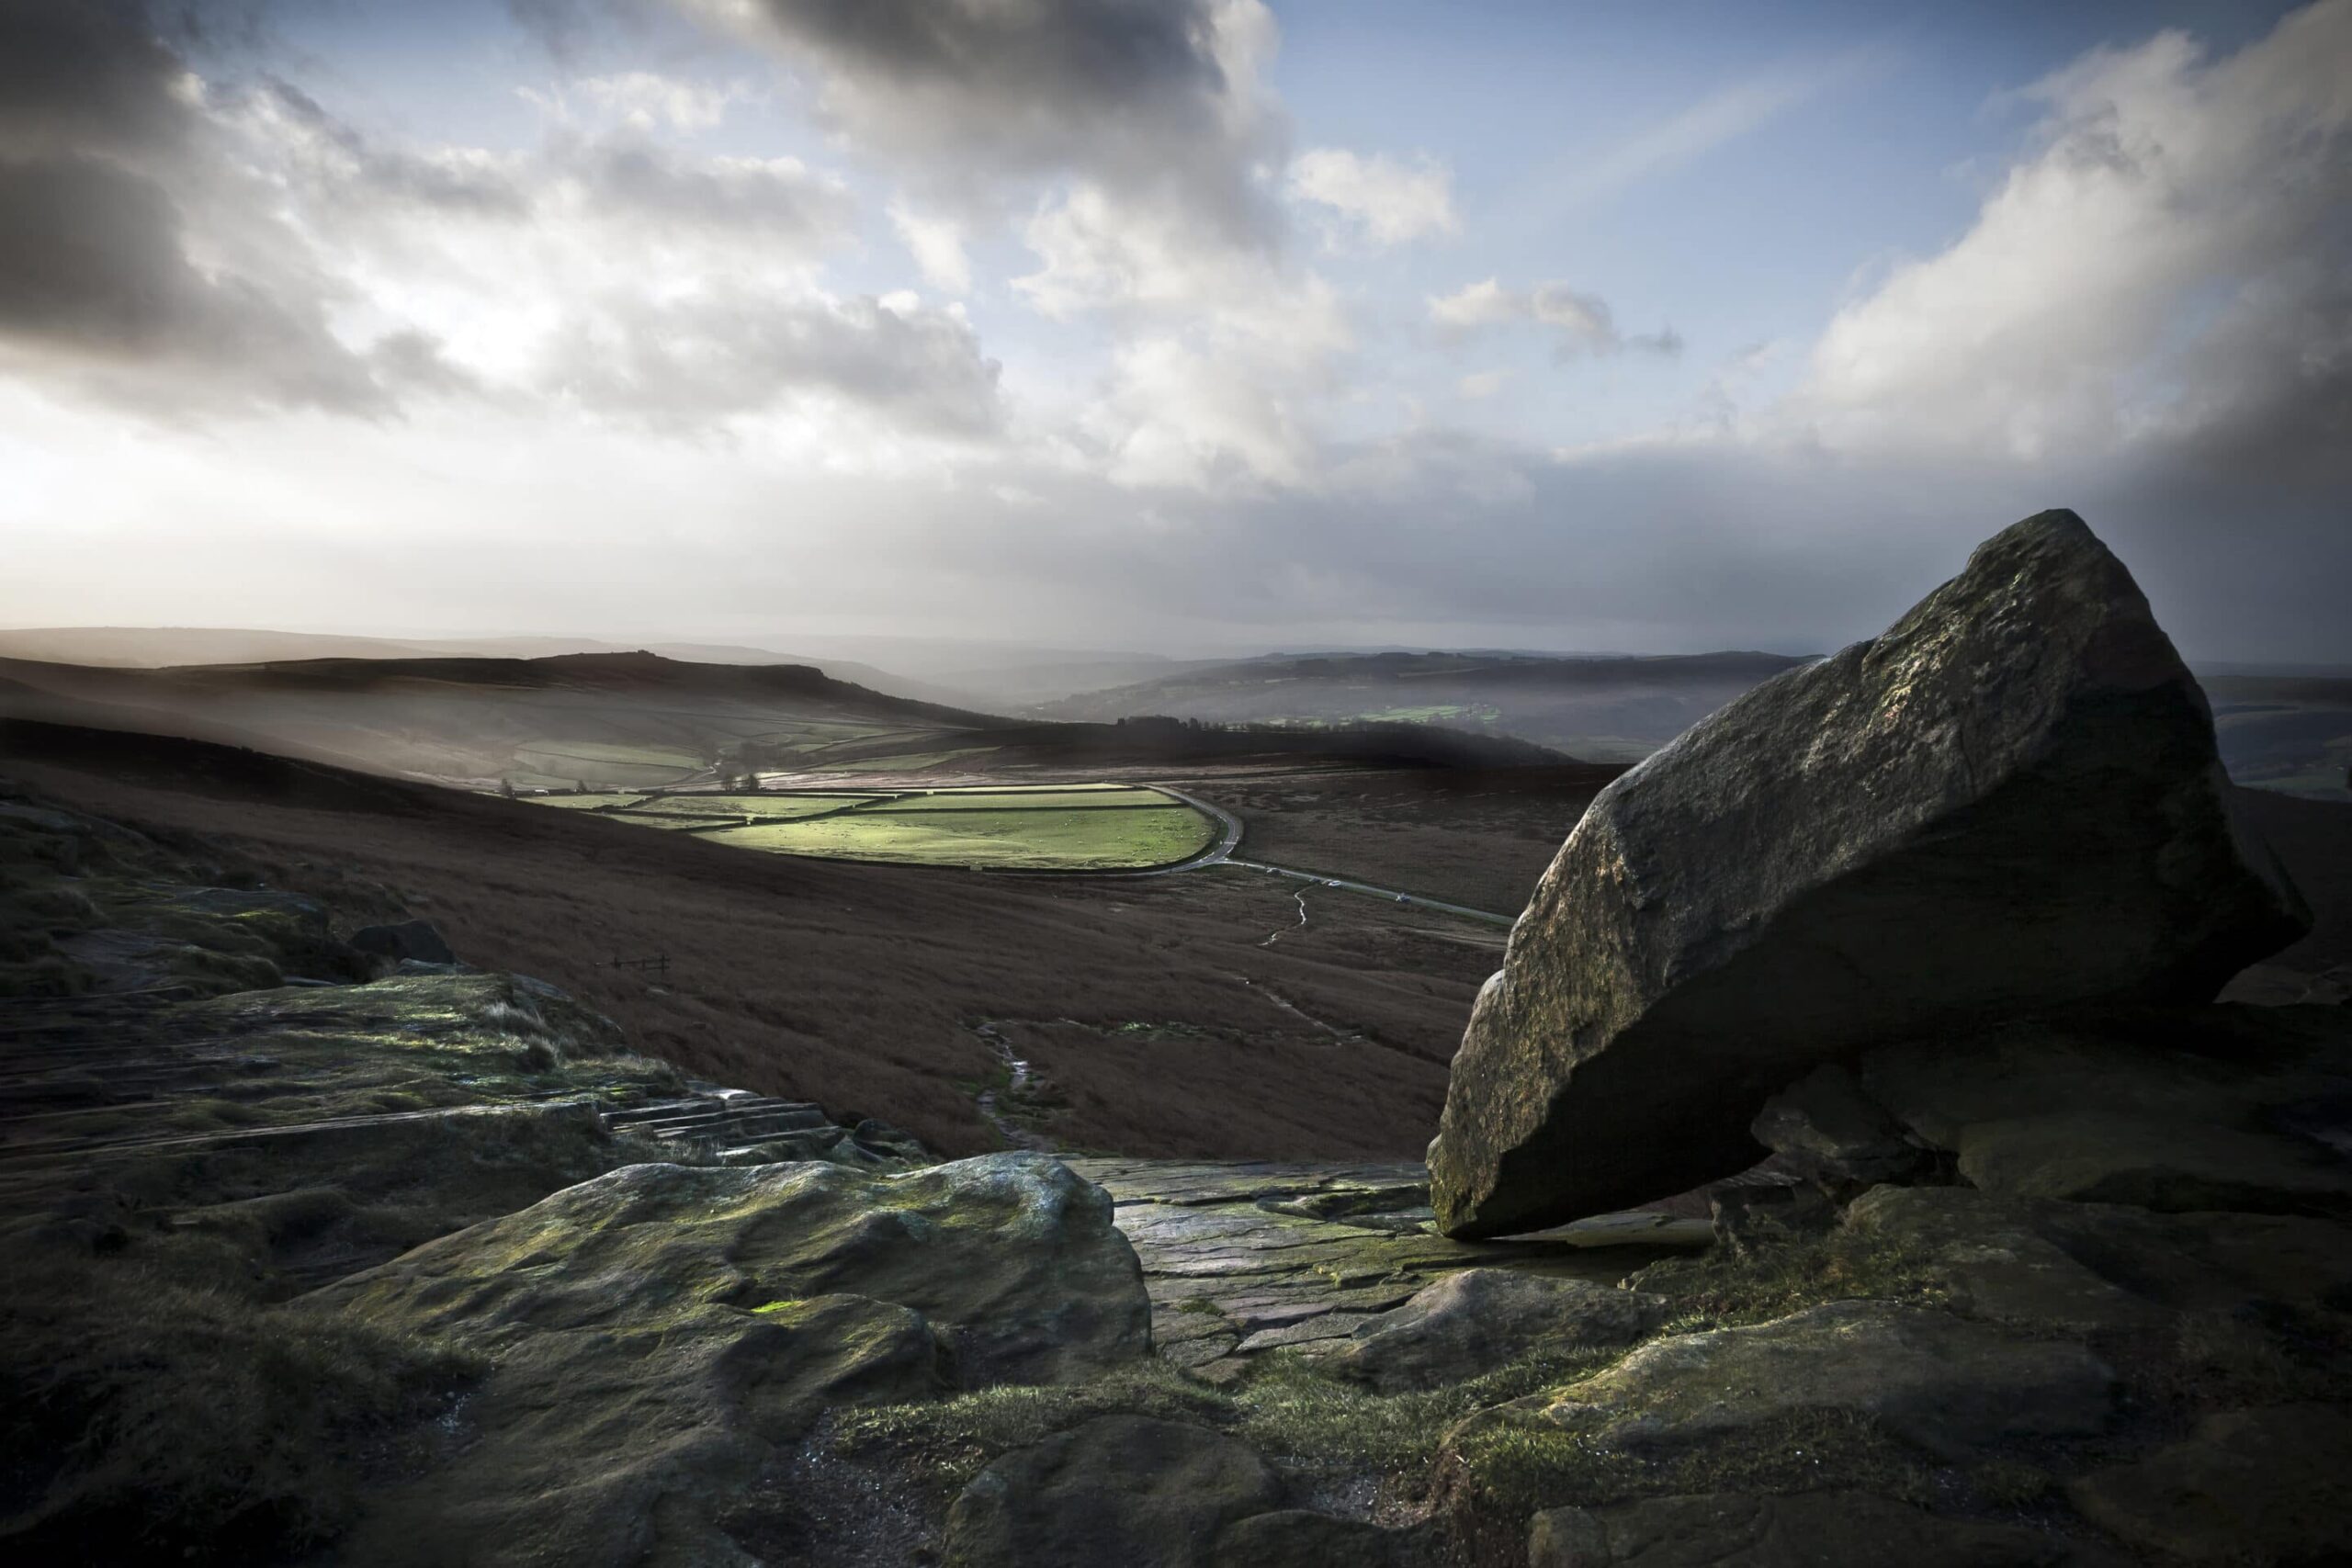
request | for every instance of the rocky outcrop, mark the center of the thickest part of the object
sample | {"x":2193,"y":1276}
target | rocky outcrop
{"x":2010,"y":803}
{"x":655,"y":1333}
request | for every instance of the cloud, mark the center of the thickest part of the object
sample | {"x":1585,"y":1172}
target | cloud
{"x":120,"y":277}
{"x":96,"y":288}
{"x":937,"y":245}
{"x":1384,"y":202}
{"x":2163,"y":271}
{"x":197,"y":249}
{"x":1579,"y":323}
{"x":647,"y":99}
{"x":1482,"y":384}
{"x":1142,"y":94}
{"x":680,"y":364}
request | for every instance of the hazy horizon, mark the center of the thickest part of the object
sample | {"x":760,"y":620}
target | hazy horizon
{"x":1200,"y":328}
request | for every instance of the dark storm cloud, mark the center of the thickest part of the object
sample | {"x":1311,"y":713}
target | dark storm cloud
{"x":1144,"y":96}
{"x":85,"y":77}
{"x":92,"y":267}
{"x":100,"y":146}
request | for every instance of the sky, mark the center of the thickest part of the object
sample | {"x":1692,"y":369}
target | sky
{"x":1186,"y":325}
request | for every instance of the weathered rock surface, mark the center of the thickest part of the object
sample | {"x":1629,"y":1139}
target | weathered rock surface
{"x":1750,"y":1217}
{"x":1479,"y":1319}
{"x":1948,"y":1387}
{"x":1242,"y":1258}
{"x":407,"y":940}
{"x":1808,"y":1529}
{"x":1295,"y":1537}
{"x":1993,"y":1261}
{"x":1827,"y":1130}
{"x":654,"y":1332}
{"x":2270,"y":1485}
{"x":2010,"y":803}
{"x":1128,"y":1491}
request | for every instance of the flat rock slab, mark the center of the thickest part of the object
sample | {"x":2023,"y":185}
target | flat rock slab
{"x":2009,"y":804}
{"x":1245,"y":1257}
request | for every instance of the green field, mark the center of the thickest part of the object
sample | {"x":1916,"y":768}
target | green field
{"x":598,"y":762}
{"x":1094,"y":797}
{"x":768,"y":808}
{"x":586,"y":802}
{"x":1001,"y":841}
{"x":1067,"y":828}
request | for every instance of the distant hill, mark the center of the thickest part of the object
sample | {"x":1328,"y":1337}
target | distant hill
{"x":153,"y":647}
{"x":2289,"y":731}
{"x":1606,"y":708}
{"x":638,"y":720}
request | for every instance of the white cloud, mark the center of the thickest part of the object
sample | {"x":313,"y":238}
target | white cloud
{"x":937,"y":245}
{"x":1579,"y":323}
{"x":1383,"y":201}
{"x":646,"y":99}
{"x":1481,"y":385}
{"x":2172,"y":253}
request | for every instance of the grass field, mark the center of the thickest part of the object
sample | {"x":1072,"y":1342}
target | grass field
{"x":769,"y":808}
{"x":1062,"y":828}
{"x":596,"y":762}
{"x":1094,"y":797}
{"x":998,"y":841}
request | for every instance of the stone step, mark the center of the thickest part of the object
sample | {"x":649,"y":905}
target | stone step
{"x":743,"y":1127}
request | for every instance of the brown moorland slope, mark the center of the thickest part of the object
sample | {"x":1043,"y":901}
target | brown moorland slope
{"x":1160,"y":1019}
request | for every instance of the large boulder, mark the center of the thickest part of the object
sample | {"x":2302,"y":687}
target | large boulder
{"x":654,"y":1338}
{"x":2009,"y":804}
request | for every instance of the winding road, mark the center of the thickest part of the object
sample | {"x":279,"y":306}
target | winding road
{"x":1229,"y":840}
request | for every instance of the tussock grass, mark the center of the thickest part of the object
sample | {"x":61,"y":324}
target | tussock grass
{"x":1718,"y":1288}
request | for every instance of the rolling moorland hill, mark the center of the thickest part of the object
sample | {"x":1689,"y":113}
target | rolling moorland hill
{"x":1605,"y":708}
{"x":638,"y":720}
{"x":2016,"y":1249}
{"x":156,"y":648}
{"x":1153,"y":1012}
{"x":2285,"y":729}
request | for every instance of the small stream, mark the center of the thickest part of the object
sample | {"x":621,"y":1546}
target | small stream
{"x":1301,"y":896}
{"x":1011,"y":1131}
